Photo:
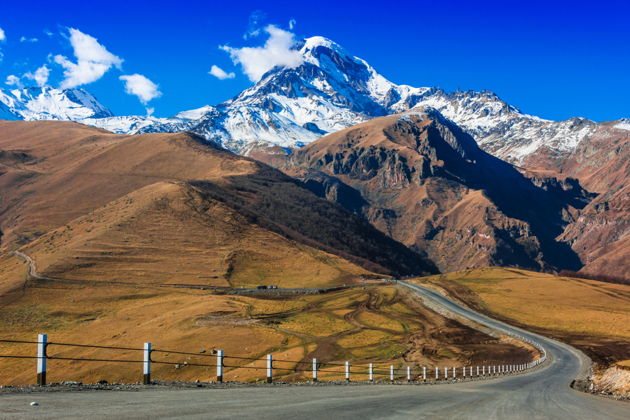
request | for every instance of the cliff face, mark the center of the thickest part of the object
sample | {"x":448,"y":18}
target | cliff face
{"x":600,"y":233}
{"x":423,"y":181}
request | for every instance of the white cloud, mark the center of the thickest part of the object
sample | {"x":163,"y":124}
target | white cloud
{"x":292,"y":23}
{"x":13,"y":80}
{"x":25,"y":39}
{"x":143,"y":88}
{"x":93,"y":60}
{"x":220,"y":74}
{"x":40,"y":76}
{"x":277,"y":51}
{"x":48,"y":32}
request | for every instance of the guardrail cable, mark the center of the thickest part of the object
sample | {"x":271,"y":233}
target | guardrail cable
{"x":300,"y":366}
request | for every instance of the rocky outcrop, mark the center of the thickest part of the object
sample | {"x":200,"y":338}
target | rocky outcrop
{"x":423,"y":181}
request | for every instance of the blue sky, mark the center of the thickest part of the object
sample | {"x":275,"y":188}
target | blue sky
{"x":554,"y":59}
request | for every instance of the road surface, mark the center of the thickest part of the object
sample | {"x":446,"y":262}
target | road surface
{"x":540,"y":394}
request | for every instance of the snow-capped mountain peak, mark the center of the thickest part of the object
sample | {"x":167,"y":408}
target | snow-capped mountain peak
{"x":196,"y":113}
{"x":47,"y":103}
{"x":309,"y":46}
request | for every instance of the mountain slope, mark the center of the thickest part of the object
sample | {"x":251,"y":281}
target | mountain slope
{"x":170,"y":232}
{"x":425,"y":182}
{"x":601,"y":232}
{"x":52,"y":173}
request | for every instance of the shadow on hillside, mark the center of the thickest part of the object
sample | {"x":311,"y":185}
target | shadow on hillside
{"x":515,"y":195}
{"x":286,"y":207}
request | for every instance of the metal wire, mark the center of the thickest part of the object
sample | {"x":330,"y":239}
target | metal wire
{"x":94,"y":360}
{"x":181,"y":364}
{"x":21,"y":357}
{"x":182,"y":352}
{"x":293,"y":361}
{"x":53,"y":343}
{"x":20,"y":341}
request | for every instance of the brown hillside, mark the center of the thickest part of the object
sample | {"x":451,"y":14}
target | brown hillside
{"x":54,"y":173}
{"x":170,"y":232}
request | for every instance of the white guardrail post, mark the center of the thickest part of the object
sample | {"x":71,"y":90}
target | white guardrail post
{"x":424,"y":373}
{"x":454,"y":372}
{"x":269,"y":368}
{"x":437,"y":373}
{"x":347,"y":371}
{"x":371,"y":372}
{"x":314,"y":370}
{"x":219,"y":366}
{"x":445,"y":373}
{"x":146,"y":378}
{"x":408,"y":374}
{"x":391,"y":373}
{"x":42,"y":342}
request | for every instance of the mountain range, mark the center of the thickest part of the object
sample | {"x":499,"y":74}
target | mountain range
{"x":331,"y":90}
{"x":551,"y":184}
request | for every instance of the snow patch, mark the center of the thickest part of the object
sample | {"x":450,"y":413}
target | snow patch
{"x":624,"y":124}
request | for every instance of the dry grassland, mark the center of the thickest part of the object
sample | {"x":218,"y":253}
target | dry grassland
{"x":370,"y":324}
{"x":591,"y":315}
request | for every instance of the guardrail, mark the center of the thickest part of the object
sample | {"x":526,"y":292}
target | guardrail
{"x":312,"y":368}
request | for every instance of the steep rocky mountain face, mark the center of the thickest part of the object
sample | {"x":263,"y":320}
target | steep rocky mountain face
{"x":601,"y":232}
{"x":55,"y":178}
{"x":422,"y":180}
{"x":329,"y":91}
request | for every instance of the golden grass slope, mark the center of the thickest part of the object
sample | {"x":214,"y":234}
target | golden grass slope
{"x":73,"y":169}
{"x":172,"y":233}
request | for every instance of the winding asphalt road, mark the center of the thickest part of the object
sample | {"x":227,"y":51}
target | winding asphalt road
{"x":543,"y":393}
